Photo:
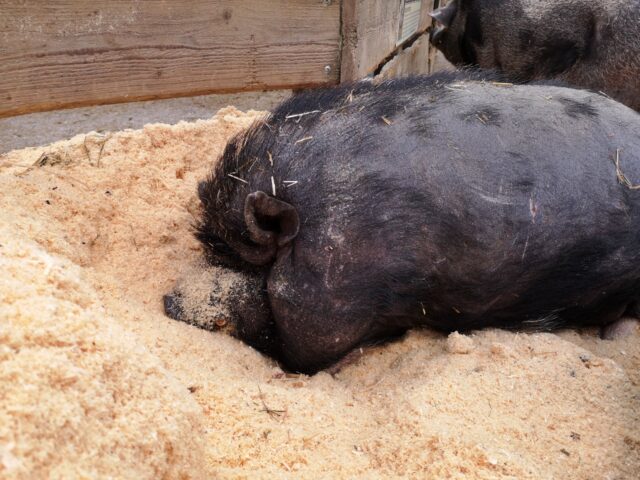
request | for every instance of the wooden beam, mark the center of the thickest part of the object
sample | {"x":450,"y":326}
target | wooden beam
{"x":66,"y":53}
{"x":413,"y":60}
{"x":371,"y":33}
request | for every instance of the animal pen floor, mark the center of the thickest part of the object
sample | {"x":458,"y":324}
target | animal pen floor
{"x":96,"y":382}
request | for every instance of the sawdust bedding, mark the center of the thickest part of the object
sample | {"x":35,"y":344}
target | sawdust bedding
{"x":95,"y":382}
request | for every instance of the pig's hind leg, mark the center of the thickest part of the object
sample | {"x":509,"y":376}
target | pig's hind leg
{"x":626,"y":326}
{"x":623,"y":328}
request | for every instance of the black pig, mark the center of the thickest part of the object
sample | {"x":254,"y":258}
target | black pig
{"x":586,"y":43}
{"x":440,"y":201}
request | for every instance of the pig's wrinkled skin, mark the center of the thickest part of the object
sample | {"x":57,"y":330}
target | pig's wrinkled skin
{"x":587,"y":43}
{"x":436,"y":201}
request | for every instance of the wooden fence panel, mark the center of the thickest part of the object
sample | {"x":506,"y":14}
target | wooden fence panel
{"x":64,"y":53}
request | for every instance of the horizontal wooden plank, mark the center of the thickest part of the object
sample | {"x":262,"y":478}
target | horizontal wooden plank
{"x":370,"y":30}
{"x":64,"y":53}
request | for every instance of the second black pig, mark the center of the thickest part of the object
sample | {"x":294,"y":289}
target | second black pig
{"x":587,"y":43}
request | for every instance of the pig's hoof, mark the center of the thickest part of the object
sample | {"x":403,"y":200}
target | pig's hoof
{"x":173,"y":306}
{"x":623,"y":328}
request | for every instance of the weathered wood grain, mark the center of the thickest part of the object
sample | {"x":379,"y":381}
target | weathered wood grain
{"x":437,"y":62}
{"x":64,"y":53}
{"x":370,"y":33}
{"x":413,"y":60}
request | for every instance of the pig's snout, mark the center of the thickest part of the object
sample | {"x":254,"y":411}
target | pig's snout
{"x":173,"y":306}
{"x":202,"y":301}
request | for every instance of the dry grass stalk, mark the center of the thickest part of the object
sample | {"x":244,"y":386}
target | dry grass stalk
{"x":237,"y":178}
{"x":133,"y":237}
{"x":298,"y":116}
{"x":456,"y":87}
{"x":273,"y":413}
{"x":100,"y":139}
{"x":302,"y":140}
{"x":622,"y":178}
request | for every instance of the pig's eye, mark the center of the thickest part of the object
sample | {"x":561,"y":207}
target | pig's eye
{"x":219,"y":246}
{"x":217,"y":251}
{"x":212,"y":242}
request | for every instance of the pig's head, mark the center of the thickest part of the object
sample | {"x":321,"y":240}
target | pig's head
{"x":220,"y":299}
{"x":242,"y":229}
{"x":455,"y":31}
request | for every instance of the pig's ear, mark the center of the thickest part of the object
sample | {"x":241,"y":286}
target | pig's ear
{"x":444,"y":15}
{"x":270,"y":220}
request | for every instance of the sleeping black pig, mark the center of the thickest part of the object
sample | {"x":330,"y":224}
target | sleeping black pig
{"x":358,"y":212}
{"x":587,"y":43}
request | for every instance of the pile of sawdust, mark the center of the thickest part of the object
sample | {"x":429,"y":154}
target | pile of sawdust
{"x":95,"y":381}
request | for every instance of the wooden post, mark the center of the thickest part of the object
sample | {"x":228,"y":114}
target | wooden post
{"x":372,"y":35}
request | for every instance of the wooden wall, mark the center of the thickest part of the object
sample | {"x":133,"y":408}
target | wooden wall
{"x":62,"y":53}
{"x":66,"y":53}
